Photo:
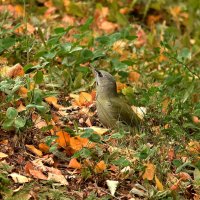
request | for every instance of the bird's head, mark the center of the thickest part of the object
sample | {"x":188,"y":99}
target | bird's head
{"x":105,"y":82}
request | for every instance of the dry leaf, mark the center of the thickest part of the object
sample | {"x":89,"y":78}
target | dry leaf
{"x":23,"y":92}
{"x":112,"y":186}
{"x":77,"y":143}
{"x":17,"y":178}
{"x":85,"y":99}
{"x":37,"y":174}
{"x":99,"y":130}
{"x":196,"y":120}
{"x":159,"y":185}
{"x":63,"y":139}
{"x":74,"y":164}
{"x":100,"y":167}
{"x":34,"y":150}
{"x":149,"y":172}
{"x":58,"y":178}
{"x":21,"y":108}
{"x":134,"y":77}
{"x":43,"y":147}
{"x":193,"y":147}
{"x":16,"y":70}
{"x":53,"y":101}
{"x":120,"y":86}
{"x":28,"y":167}
{"x":3,"y":155}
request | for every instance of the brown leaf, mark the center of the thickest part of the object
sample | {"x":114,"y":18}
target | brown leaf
{"x":37,"y":174}
{"x":29,"y":165}
{"x":16,"y":70}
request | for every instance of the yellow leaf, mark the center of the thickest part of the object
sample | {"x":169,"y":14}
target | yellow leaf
{"x":159,"y":185}
{"x":149,"y":172}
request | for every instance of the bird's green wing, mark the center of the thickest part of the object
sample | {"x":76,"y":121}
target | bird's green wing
{"x":124,"y":113}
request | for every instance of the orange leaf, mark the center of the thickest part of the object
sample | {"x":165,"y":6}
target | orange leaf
{"x":22,"y":92}
{"x":120,"y":86}
{"x":100,"y":167}
{"x":85,"y":98}
{"x":77,"y":143}
{"x":16,"y":70}
{"x":134,"y":76}
{"x":63,"y":139}
{"x":171,"y":154}
{"x":193,"y":147}
{"x":159,"y":185}
{"x":53,"y":101}
{"x":74,"y":164}
{"x":184,"y":176}
{"x":175,"y":186}
{"x":34,"y":150}
{"x":37,"y":174}
{"x":149,"y":172}
{"x":196,"y":120}
{"x":43,"y":147}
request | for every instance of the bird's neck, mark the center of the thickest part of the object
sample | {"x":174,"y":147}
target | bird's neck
{"x":105,"y":92}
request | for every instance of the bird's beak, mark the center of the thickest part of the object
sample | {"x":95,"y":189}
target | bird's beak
{"x":94,"y":71}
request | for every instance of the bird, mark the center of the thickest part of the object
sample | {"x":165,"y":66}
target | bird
{"x":112,"y":110}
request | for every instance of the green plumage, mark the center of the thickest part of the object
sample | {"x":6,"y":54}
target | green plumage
{"x":112,"y":110}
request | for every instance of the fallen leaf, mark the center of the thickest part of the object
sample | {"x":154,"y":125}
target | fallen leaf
{"x":28,"y":167}
{"x":196,"y":120}
{"x":58,"y":178}
{"x":74,"y":164}
{"x":63,"y":139}
{"x":185,"y":176}
{"x":17,"y":178}
{"x":193,"y":147}
{"x":100,"y":167}
{"x":34,"y":150}
{"x":16,"y":70}
{"x":21,"y":108}
{"x":43,"y":147}
{"x":85,"y":99}
{"x":134,"y":77}
{"x":23,"y":92}
{"x":77,"y":143}
{"x":171,"y":154}
{"x":99,"y":130}
{"x":159,"y":185}
{"x":112,"y":186}
{"x":37,"y":174}
{"x":3,"y":155}
{"x":120,"y":86}
{"x":149,"y":172}
{"x":53,"y":101}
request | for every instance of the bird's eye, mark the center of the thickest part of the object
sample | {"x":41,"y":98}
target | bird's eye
{"x":100,"y":74}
